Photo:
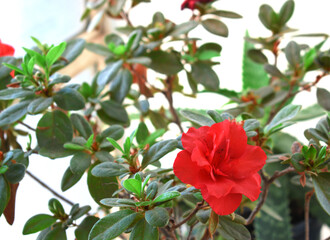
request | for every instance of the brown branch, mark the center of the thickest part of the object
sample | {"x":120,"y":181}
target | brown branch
{"x":267,"y":183}
{"x":27,"y":126}
{"x":191,"y":229}
{"x":196,"y":209}
{"x":49,"y":188}
{"x":308,"y":197}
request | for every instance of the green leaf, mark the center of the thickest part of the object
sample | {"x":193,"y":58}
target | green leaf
{"x":292,"y":53}
{"x":166,"y":196}
{"x":118,"y":202}
{"x":69,"y":179}
{"x":5,"y":70}
{"x":13,"y":113}
{"x":73,"y":49}
{"x":133,"y":186}
{"x":15,"y":173}
{"x":100,"y":188}
{"x":273,"y":71}
{"x":82,"y":231}
{"x":164,"y":62}
{"x":108,"y":169}
{"x":4,"y":193}
{"x":323,"y":98}
{"x":285,"y":114}
{"x":3,"y":169}
{"x":251,"y":124}
{"x":121,"y":85}
{"x":39,"y":105}
{"x":231,"y":230}
{"x":321,"y":185}
{"x":257,"y":56}
{"x":56,"y":207}
{"x":115,"y":111}
{"x":38,"y":223}
{"x":157,"y":217}
{"x":80,"y":162}
{"x":56,"y":233}
{"x":153,"y":136}
{"x":54,"y":53}
{"x":216,"y":27}
{"x":113,"y":225}
{"x":69,"y":99}
{"x":81,"y":212}
{"x":60,"y":79}
{"x":205,"y":75}
{"x":310,"y":112}
{"x":226,"y":14}
{"x":73,"y":146}
{"x":183,"y":28}
{"x":115,"y":144}
{"x":157,"y":151}
{"x":203,"y":215}
{"x":216,"y":117}
{"x":143,"y":230}
{"x":81,"y":125}
{"x":286,"y":12}
{"x":98,"y":49}
{"x":142,"y":133}
{"x":115,"y":132}
{"x":207,"y":55}
{"x":268,"y":17}
{"x":140,"y":60}
{"x":53,"y":130}
{"x":197,"y":118}
{"x":13,"y":93}
{"x":107,"y":74}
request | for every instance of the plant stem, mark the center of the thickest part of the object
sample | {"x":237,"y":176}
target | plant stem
{"x":49,"y":188}
{"x":308,"y":197}
{"x":27,"y":126}
{"x":197,"y":208}
{"x":267,"y":183}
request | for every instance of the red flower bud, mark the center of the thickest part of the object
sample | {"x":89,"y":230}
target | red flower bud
{"x":192,"y":3}
{"x":218,"y":161}
{"x":6,"y":50}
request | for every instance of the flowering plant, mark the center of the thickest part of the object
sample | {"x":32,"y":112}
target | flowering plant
{"x":235,"y":173}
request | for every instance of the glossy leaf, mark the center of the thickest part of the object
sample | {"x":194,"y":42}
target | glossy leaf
{"x":114,"y":111}
{"x":183,"y":28}
{"x":321,"y":185}
{"x":112,"y":225}
{"x":69,"y":99}
{"x":38,"y":223}
{"x":323,"y":98}
{"x":13,"y":93}
{"x":120,"y":86}
{"x":4,"y":193}
{"x":108,"y":73}
{"x":82,"y":231}
{"x":197,"y":118}
{"x":118,"y":202}
{"x":81,"y":125}
{"x":226,"y":14}
{"x":108,"y":169}
{"x":216,"y":27}
{"x":292,"y":53}
{"x":157,"y":217}
{"x":231,"y":230}
{"x":13,"y":113}
{"x":133,"y":186}
{"x":310,"y":112}
{"x":157,"y":151}
{"x":205,"y":75}
{"x":286,"y":12}
{"x":53,"y":130}
{"x":56,"y":233}
{"x":81,"y":212}
{"x":164,"y":62}
{"x":15,"y":173}
{"x":80,"y":162}
{"x":166,"y":196}
{"x":257,"y":56}
{"x":143,"y":230}
{"x":54,"y":53}
{"x":39,"y":105}
{"x":273,"y":71}
{"x":69,"y":179}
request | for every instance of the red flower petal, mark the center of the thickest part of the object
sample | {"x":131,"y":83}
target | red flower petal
{"x":189,"y":139}
{"x":184,"y":168}
{"x":224,"y":205}
{"x":198,"y":156}
{"x":219,"y":188}
{"x":6,"y":50}
{"x":253,"y":159}
{"x":249,"y":187}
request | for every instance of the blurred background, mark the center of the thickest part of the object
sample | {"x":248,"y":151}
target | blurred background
{"x":54,"y":21}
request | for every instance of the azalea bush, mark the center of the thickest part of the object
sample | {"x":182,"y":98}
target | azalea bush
{"x":236,"y":173}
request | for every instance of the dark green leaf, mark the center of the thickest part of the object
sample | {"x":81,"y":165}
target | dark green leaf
{"x":267,"y":16}
{"x":140,"y":60}
{"x":116,"y":7}
{"x":142,"y":133}
{"x":82,"y":211}
{"x":60,"y":79}
{"x":13,"y":113}
{"x":216,"y":27}
{"x":104,"y":156}
{"x":114,"y":111}
{"x":164,"y":62}
{"x":203,"y":215}
{"x":5,"y":71}
{"x":115,"y":132}
{"x":257,"y":56}
{"x":39,"y":105}
{"x":69,"y":179}
{"x":80,"y":162}
{"x":13,"y":93}
{"x":53,"y":130}
{"x":226,"y":14}
{"x":311,"y":112}
{"x":54,"y":53}
{"x":73,"y":49}
{"x":98,"y":49}
{"x":108,"y":169}
{"x":81,"y":125}
{"x":157,"y":217}
{"x":157,"y":151}
{"x":143,"y":230}
{"x":286,"y":12}
{"x":292,"y":53}
{"x":183,"y":28}
{"x":4,"y":193}
{"x":204,"y":74}
{"x":101,"y":188}
{"x":321,"y":185}
{"x":69,"y":99}
{"x":216,"y":117}
{"x":121,"y":85}
{"x":56,"y":207}
{"x":273,"y":71}
{"x":82,"y":231}
{"x":323,"y":98}
{"x":197,"y":118}
{"x":108,"y":73}
{"x":73,"y":146}
{"x":231,"y":230}
{"x":166,"y":196}
{"x":118,"y":202}
{"x":15,"y":173}
{"x":38,"y":223}
{"x":251,"y":124}
{"x":56,"y":233}
{"x":113,"y":225}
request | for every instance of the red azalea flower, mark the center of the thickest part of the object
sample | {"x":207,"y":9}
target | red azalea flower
{"x":6,"y":50}
{"x":218,"y":161}
{"x":192,"y":3}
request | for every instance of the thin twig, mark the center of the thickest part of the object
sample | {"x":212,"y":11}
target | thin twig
{"x":267,"y":183}
{"x":27,"y":126}
{"x":308,"y":197}
{"x":197,"y":208}
{"x":49,"y":188}
{"x":191,"y":229}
